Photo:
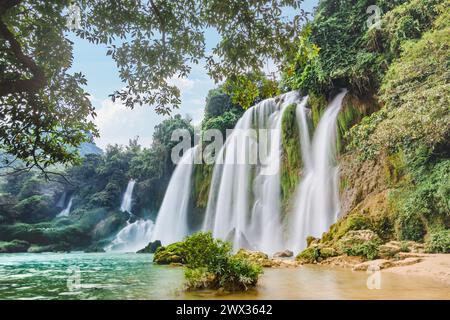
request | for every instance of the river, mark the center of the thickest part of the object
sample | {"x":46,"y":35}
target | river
{"x":134,"y":276}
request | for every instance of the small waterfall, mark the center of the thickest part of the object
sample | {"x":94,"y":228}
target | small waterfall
{"x":317,"y":198}
{"x":133,"y":237}
{"x":172,"y":221}
{"x":127,"y":199}
{"x":234,"y":213}
{"x":65,"y":212}
{"x":61,"y":200}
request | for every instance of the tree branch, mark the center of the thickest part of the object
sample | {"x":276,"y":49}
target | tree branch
{"x":7,"y":4}
{"x":15,"y":86}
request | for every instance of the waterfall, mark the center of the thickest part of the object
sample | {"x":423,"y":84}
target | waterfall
{"x":172,"y":221}
{"x":65,"y":212}
{"x":243,"y":209}
{"x":127,"y":197}
{"x":317,"y":198}
{"x":133,"y":237}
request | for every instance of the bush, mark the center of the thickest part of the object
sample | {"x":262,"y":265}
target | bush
{"x":439,"y":242}
{"x":360,"y":243}
{"x":410,"y":227}
{"x":210,"y":265}
{"x":14,"y":246}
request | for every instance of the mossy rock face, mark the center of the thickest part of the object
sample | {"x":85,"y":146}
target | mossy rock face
{"x":291,"y":161}
{"x":257,"y":257}
{"x":173,"y":253}
{"x":151,"y":247}
{"x":14,"y":246}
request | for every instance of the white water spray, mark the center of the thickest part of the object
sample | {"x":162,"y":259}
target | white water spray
{"x":133,"y":237}
{"x":127,"y":199}
{"x":172,"y":221}
{"x":317,"y":200}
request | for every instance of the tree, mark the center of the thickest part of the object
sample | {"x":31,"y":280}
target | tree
{"x":45,"y":111}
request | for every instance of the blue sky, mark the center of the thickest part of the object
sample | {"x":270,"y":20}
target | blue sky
{"x":116,"y":123}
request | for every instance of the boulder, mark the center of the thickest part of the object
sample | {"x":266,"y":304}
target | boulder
{"x":390,"y":249}
{"x":151,"y":247}
{"x":242,"y":240}
{"x":256,"y":257}
{"x":406,"y":262}
{"x":373,"y":265}
{"x":173,"y":253}
{"x":283,"y":254}
{"x":311,"y":240}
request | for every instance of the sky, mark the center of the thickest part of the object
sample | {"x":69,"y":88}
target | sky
{"x":118,"y":124}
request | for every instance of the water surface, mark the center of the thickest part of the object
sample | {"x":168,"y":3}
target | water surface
{"x":134,"y":276}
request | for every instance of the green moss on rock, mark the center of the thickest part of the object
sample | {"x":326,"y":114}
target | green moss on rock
{"x":291,"y":161}
{"x":173,"y":253}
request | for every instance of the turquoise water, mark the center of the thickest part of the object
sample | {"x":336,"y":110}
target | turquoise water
{"x":86,"y":276}
{"x":134,"y":276}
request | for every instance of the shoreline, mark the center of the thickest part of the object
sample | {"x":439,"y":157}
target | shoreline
{"x":435,"y":266}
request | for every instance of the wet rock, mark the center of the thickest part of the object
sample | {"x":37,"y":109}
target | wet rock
{"x":406,"y":262}
{"x":242,"y":240}
{"x":343,"y":261}
{"x":283,"y":254}
{"x":151,"y":247}
{"x":415,"y":247}
{"x":373,"y":265}
{"x":311,"y":240}
{"x":390,"y":249}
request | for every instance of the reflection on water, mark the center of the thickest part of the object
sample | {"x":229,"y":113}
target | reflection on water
{"x":133,"y":276}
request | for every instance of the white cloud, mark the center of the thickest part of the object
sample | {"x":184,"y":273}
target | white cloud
{"x":118,"y":124}
{"x":184,"y":84}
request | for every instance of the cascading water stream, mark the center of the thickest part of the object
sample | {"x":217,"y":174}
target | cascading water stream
{"x":317,"y":199}
{"x":66,"y":211}
{"x":125,"y":206}
{"x":172,"y":221}
{"x":233,"y":212}
{"x":135,"y":235}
